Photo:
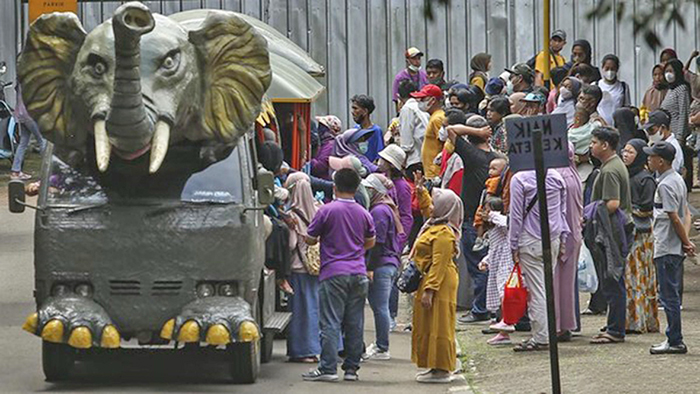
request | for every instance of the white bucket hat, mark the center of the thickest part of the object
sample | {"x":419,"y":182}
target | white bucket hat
{"x":394,"y":155}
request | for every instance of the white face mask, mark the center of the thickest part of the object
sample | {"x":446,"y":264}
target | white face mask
{"x":670,"y":77}
{"x":654,"y":138}
{"x":636,"y":120}
{"x":565,"y":93}
{"x":423,"y":105}
{"x":510,"y":89}
{"x":413,"y":68}
{"x":610,"y":75}
{"x":442,"y":134}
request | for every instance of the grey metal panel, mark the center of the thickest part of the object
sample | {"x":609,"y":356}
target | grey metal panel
{"x":171,"y":7}
{"x":154,"y":6}
{"x":685,"y":38}
{"x":477,"y":26}
{"x":379,"y":85}
{"x":436,"y":34}
{"x":397,"y":39}
{"x":230,"y":5}
{"x":416,"y":25}
{"x":457,"y":62}
{"x":251,"y":7}
{"x":626,"y":51}
{"x":297,"y":22}
{"x":318,"y":46}
{"x":337,"y":61}
{"x":498,"y":35}
{"x":646,"y":58}
{"x":524,"y":20}
{"x":92,"y":15}
{"x":108,"y":8}
{"x":8,"y":45}
{"x":605,"y":37}
{"x":565,"y":18}
{"x":584,"y":26}
{"x":357,"y":51}
{"x":277,"y":16}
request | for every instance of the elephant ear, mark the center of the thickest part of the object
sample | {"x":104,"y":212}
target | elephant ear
{"x":44,"y":71}
{"x":236,"y":74}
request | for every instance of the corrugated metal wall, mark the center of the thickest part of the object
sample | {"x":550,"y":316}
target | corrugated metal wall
{"x":361,"y":42}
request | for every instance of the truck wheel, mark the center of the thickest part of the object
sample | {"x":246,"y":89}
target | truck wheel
{"x":268,"y":341}
{"x":245,"y":361}
{"x":57,"y":360}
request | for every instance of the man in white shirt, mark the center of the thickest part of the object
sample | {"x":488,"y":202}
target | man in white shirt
{"x":658,"y":129}
{"x":412,"y":124}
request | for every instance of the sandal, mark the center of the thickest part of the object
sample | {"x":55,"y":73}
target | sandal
{"x":606,"y":338}
{"x":530,"y":345}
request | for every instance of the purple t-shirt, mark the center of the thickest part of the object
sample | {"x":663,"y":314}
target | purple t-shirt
{"x":386,"y":235}
{"x":420,"y":79}
{"x":401,"y":194}
{"x":343,"y":226}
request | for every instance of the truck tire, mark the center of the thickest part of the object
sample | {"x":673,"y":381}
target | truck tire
{"x":244,"y":358}
{"x":267,"y":342}
{"x":57,"y":360}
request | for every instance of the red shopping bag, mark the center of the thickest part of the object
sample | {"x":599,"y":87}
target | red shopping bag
{"x":514,"y":297}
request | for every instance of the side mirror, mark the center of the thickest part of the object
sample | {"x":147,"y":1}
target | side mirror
{"x":266,"y":187}
{"x":16,"y":196}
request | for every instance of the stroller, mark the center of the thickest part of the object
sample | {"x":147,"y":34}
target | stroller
{"x":9,"y":127}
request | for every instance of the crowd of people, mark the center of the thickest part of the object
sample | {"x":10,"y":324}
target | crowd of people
{"x":434,"y":192}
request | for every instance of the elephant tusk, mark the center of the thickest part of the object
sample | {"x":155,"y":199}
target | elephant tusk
{"x":159,"y":145}
{"x":103,"y":149}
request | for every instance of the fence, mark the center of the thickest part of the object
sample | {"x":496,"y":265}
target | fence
{"x":361,"y":42}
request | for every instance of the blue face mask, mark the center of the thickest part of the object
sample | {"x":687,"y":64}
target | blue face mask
{"x":363,"y":147}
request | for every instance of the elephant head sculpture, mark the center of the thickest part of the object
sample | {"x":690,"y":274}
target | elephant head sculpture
{"x":141,"y":81}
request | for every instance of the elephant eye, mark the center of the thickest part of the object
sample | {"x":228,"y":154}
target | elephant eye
{"x":97,"y":65}
{"x":100,"y":68}
{"x":171,"y":61}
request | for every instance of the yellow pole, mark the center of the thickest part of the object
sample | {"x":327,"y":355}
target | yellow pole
{"x":545,"y":37}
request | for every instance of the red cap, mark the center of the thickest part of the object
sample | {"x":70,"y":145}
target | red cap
{"x":429,"y":90}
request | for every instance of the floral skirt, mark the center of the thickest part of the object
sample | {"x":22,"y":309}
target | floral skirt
{"x":640,"y":280}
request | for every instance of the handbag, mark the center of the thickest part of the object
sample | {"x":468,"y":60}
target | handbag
{"x":587,"y":276}
{"x":410,"y":278}
{"x":514,"y":297}
{"x":312,"y":258}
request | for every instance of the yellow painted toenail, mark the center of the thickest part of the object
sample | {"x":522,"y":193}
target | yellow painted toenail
{"x":53,"y":331}
{"x":80,"y":338}
{"x":189,"y":332}
{"x":218,"y":335}
{"x":167,"y":331}
{"x":110,"y":337}
{"x":31,"y":323}
{"x":248,"y":332}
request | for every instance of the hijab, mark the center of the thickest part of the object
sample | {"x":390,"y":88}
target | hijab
{"x":378,"y":187}
{"x":480,"y":62}
{"x":625,"y":124}
{"x":346,"y":144}
{"x":328,"y":127}
{"x":655,"y":95}
{"x":586,"y":46}
{"x":677,"y":66}
{"x":668,"y":51}
{"x":640,"y":161}
{"x":447,"y":209}
{"x":302,"y":203}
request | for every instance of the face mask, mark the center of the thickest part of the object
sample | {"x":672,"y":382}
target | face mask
{"x":565,"y":93}
{"x":670,"y":77}
{"x":423,"y":106}
{"x":510,"y":88}
{"x":636,"y":120}
{"x":363,"y":147}
{"x":413,"y":68}
{"x":610,"y":75}
{"x":654,"y":138}
{"x":442,"y":134}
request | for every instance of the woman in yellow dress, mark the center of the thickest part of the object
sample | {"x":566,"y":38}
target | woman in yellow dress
{"x":435,"y":303}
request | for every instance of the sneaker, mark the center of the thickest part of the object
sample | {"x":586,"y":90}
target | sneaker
{"x":435,"y":377}
{"x":666,"y":348}
{"x":470,"y":318}
{"x":316,"y":375}
{"x":501,"y":326}
{"x":375,"y":353}
{"x":393,"y":326}
{"x":351,"y":376}
{"x":426,"y":372}
{"x":499,"y":339}
{"x":20,"y":176}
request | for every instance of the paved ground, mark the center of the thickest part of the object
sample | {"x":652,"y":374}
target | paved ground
{"x":585,"y":368}
{"x":20,"y":352}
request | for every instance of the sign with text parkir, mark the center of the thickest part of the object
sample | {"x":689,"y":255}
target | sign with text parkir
{"x":521,"y":148}
{"x":40,"y":7}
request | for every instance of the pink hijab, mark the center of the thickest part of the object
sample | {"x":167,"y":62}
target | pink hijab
{"x":301,"y":198}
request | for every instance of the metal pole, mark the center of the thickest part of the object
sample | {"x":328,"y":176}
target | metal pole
{"x":547,"y":258}
{"x":545,"y":38}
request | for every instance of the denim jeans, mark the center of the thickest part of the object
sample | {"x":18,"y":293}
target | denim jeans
{"x":668,"y":273}
{"x":473,"y":259}
{"x":342,"y":301}
{"x":616,"y":296}
{"x":379,"y":294}
{"x":27,"y":129}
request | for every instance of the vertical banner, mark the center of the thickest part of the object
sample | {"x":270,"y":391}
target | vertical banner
{"x":40,"y":7}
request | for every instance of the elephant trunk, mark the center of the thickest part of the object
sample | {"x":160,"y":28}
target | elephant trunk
{"x":128,"y":125}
